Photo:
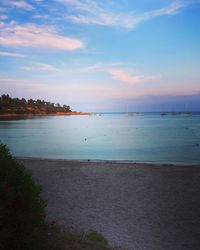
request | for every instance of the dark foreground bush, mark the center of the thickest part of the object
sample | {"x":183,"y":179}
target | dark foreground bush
{"x":22,"y":215}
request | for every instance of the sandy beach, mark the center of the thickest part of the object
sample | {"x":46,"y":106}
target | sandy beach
{"x":135,"y":206}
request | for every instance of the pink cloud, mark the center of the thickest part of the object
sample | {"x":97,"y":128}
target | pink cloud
{"x":20,"y":4}
{"x":3,"y":16}
{"x":41,"y":67}
{"x":12,"y":54}
{"x":127,"y":77}
{"x":31,"y":35}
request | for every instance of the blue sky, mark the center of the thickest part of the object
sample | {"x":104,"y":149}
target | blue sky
{"x":102,"y":55}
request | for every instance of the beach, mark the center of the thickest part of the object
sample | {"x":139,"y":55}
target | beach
{"x":135,"y":206}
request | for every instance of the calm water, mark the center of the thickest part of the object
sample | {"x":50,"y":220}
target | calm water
{"x":148,"y":138}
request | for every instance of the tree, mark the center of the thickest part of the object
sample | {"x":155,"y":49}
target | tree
{"x":67,"y":108}
{"x":31,"y":102}
{"x":23,"y":102}
{"x":20,"y":106}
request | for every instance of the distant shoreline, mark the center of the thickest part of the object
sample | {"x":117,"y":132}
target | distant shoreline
{"x":53,"y":114}
{"x":118,"y":162}
{"x":93,"y":113}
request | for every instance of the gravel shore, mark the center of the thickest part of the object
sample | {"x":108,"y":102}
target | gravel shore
{"x":135,"y":206}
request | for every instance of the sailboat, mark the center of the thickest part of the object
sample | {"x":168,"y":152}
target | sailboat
{"x":186,"y":113}
{"x":131,"y":114}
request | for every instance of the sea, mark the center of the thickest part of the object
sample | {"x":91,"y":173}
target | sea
{"x":145,"y":137}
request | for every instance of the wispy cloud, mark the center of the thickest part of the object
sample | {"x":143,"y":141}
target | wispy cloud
{"x":41,"y":67}
{"x":48,"y":67}
{"x":41,"y":16}
{"x":32,"y":35}
{"x":118,"y":72}
{"x":92,"y":12}
{"x":10,"y":54}
{"x":128,"y":77}
{"x":11,"y":80}
{"x":19,"y":4}
{"x":3,"y":16}
{"x":99,"y":67}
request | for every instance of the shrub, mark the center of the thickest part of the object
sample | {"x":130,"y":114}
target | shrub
{"x":22,"y":211}
{"x":94,"y":236}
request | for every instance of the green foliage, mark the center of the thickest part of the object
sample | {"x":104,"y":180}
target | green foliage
{"x":94,"y":236}
{"x":23,"y":106}
{"x":60,"y":239}
{"x":22,"y":211}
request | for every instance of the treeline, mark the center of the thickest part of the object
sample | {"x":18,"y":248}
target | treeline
{"x":10,"y":105}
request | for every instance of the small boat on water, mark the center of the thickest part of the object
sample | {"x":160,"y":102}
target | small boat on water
{"x":134,"y":114}
{"x":163,"y":113}
{"x":186,"y":113}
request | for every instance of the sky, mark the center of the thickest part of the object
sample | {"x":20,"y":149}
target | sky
{"x":108,"y":55}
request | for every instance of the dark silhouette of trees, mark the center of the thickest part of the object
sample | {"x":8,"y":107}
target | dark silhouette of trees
{"x":23,"y":106}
